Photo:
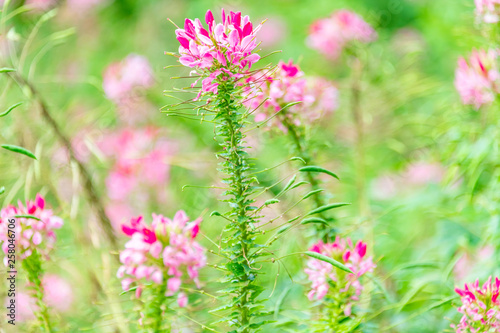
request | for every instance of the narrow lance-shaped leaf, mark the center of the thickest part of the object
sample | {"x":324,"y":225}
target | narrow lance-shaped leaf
{"x":2,"y":190}
{"x":313,"y":220}
{"x":313,"y":168}
{"x":312,"y":193}
{"x":19,"y":150}
{"x":7,"y":70}
{"x":271,"y":201}
{"x":329,"y":260}
{"x":27,"y":217}
{"x":10,"y":109}
{"x":327,"y":207}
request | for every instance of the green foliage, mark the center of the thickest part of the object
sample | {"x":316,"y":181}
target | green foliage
{"x":19,"y":150}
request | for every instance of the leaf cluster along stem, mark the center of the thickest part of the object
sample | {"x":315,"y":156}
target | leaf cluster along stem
{"x":239,"y":244}
{"x":33,"y":266}
{"x":302,"y":152}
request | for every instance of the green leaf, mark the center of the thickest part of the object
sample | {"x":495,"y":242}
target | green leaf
{"x":313,"y":168}
{"x":2,"y":190}
{"x":297,"y":158}
{"x":312,"y":193}
{"x":288,"y":185}
{"x":19,"y":150}
{"x":271,"y":201}
{"x":10,"y":109}
{"x":283,"y":229}
{"x":27,"y":217}
{"x":7,"y":70}
{"x":215,"y":213}
{"x":327,"y":207}
{"x":313,"y":220}
{"x":329,"y":260}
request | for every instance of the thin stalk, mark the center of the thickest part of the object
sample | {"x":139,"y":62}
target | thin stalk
{"x":88,"y":184}
{"x":302,"y":151}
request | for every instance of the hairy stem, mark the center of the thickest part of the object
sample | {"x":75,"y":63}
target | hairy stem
{"x":88,"y":184}
{"x":241,"y":241}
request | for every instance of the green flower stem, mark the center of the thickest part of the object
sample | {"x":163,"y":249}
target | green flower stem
{"x":154,"y":311}
{"x":239,"y":244}
{"x":302,"y":151}
{"x":33,"y":267}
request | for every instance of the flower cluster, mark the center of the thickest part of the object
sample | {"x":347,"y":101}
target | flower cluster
{"x":287,"y":84}
{"x":331,"y":35}
{"x":480,"y":307}
{"x":488,"y":11}
{"x":140,"y":164}
{"x":165,"y":251}
{"x":124,"y":83}
{"x":323,"y":275}
{"x":34,"y":228}
{"x":223,"y":51}
{"x":58,"y":294}
{"x":477,"y":80}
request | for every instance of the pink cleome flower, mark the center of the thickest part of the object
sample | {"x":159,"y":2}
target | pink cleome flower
{"x":122,"y":78}
{"x":165,"y":251}
{"x":323,"y":275}
{"x":223,"y":51}
{"x":477,"y":80}
{"x":488,"y":11}
{"x":31,"y":233}
{"x":480,"y":307}
{"x":331,"y":35}
{"x":287,"y":84}
{"x":140,"y":166}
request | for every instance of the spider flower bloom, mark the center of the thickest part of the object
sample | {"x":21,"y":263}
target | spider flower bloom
{"x":488,"y":11}
{"x":331,"y":35}
{"x":122,"y":79}
{"x":220,"y":51}
{"x":480,"y":307}
{"x":31,"y":233}
{"x":326,"y":279}
{"x":288,"y":85}
{"x":164,"y":253}
{"x":477,"y":80}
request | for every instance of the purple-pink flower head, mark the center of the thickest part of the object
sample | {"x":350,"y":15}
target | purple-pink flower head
{"x":325,"y":278}
{"x":165,"y":252}
{"x":218,"y":51}
{"x":287,"y":84}
{"x":480,"y":307}
{"x":478,"y":80}
{"x":33,"y":231}
{"x":488,"y":11}
{"x":331,"y":35}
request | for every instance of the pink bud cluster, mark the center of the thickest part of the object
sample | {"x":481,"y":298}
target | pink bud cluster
{"x":478,"y":79}
{"x":140,"y":167}
{"x":287,"y":84}
{"x":488,"y":11}
{"x":222,"y":51}
{"x":30,"y":233}
{"x":480,"y":307}
{"x":323,"y":275}
{"x":162,"y":253}
{"x":124,"y":83}
{"x":331,"y":35}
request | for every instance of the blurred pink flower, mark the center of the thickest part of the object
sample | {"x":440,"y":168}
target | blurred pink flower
{"x":488,"y":11}
{"x":272,"y":32}
{"x":480,"y":307}
{"x":322,"y":274}
{"x":170,"y":242}
{"x":58,"y":292}
{"x":140,"y":169}
{"x":31,"y":233}
{"x":385,"y":187}
{"x":223,"y":51}
{"x":331,"y":35}
{"x":40,"y":5}
{"x":422,"y":173}
{"x":469,"y":260}
{"x":25,"y":307}
{"x":79,"y":6}
{"x":477,"y":81}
